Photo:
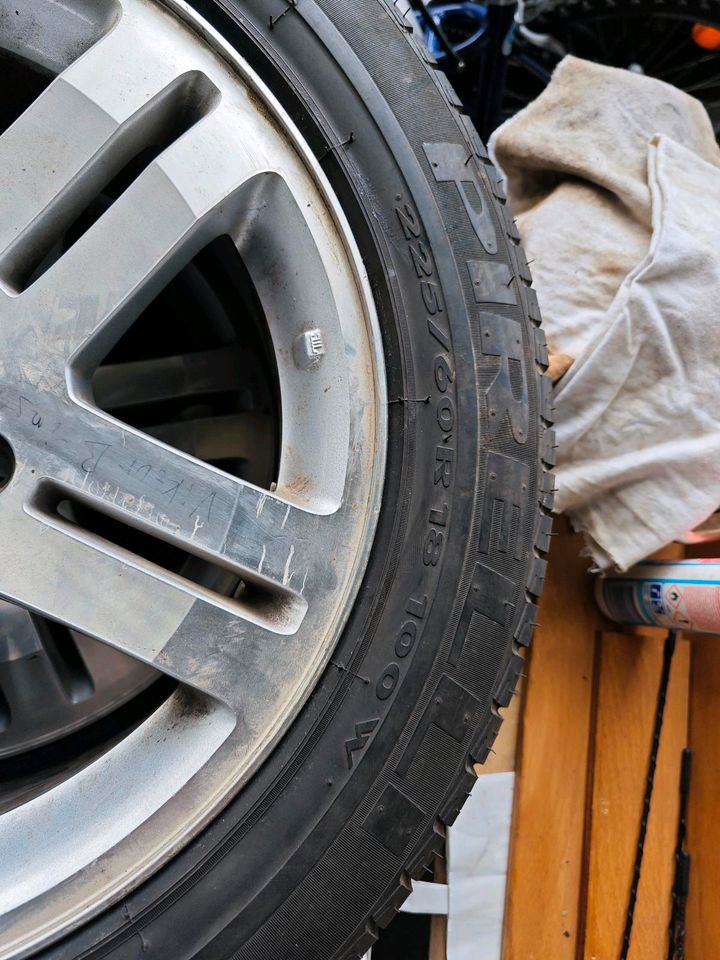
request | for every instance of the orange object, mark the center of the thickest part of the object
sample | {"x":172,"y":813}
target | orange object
{"x":706,"y":37}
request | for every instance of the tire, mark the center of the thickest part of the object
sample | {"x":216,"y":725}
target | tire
{"x":317,"y":851}
{"x":637,"y":32}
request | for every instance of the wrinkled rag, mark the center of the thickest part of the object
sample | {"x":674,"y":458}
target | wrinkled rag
{"x":614,"y":178}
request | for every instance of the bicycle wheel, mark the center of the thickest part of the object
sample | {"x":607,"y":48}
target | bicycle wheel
{"x":660,"y":38}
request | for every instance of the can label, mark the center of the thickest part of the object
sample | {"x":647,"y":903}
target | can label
{"x":674,"y":598}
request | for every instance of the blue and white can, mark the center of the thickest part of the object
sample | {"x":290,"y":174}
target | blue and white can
{"x":679,"y":596}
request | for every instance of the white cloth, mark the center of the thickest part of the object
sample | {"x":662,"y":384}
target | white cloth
{"x":615,"y":181}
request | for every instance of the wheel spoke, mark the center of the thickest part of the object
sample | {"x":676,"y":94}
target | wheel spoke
{"x":81,"y":131}
{"x":116,"y":268}
{"x":164,"y":378}
{"x":678,"y":74}
{"x":203,"y":640}
{"x":145,"y":484}
{"x":218,"y":438}
{"x":709,"y":84}
{"x":668,"y":47}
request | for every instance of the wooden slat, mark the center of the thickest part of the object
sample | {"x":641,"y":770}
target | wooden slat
{"x":542,"y":917}
{"x":503,"y":756}
{"x":703,"y":912}
{"x":629,"y":669}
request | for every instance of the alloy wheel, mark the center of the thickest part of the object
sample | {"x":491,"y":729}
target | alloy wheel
{"x":192,"y":422}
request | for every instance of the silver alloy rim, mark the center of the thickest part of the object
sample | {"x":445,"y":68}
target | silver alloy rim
{"x":233,"y":164}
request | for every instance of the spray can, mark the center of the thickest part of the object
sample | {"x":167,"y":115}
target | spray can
{"x":678,"y":596}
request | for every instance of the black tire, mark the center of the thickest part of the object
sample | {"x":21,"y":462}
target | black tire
{"x":318,"y":851}
{"x":655,"y":34}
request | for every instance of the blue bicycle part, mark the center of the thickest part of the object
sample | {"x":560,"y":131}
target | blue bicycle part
{"x":463,"y":23}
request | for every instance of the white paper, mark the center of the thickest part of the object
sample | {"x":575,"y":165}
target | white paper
{"x":478,"y":848}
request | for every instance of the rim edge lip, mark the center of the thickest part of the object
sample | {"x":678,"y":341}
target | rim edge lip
{"x":192,"y":20}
